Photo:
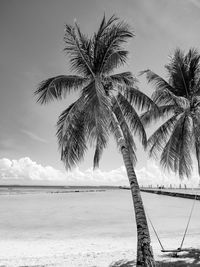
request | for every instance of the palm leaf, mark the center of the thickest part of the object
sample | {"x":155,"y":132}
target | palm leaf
{"x":110,"y":46}
{"x":138,"y":99}
{"x":96,"y":117}
{"x":101,"y":33}
{"x":178,"y":71}
{"x":115,"y":60}
{"x":162,"y":97}
{"x":158,"y":139}
{"x":125,"y":129}
{"x":192,"y":60}
{"x":76,"y":46}
{"x":176,"y":153}
{"x":57,"y":87}
{"x":156,"y":80}
{"x":123,"y":79}
{"x":61,"y":124}
{"x":132,"y":117}
{"x":73,"y":140}
{"x":153,"y":114}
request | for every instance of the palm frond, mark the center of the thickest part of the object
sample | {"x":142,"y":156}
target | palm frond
{"x":57,"y":87}
{"x":97,"y":117}
{"x":192,"y":60}
{"x":101,"y":32}
{"x":125,"y":129}
{"x":132,"y":117}
{"x":71,"y":135}
{"x":158,"y":139}
{"x":115,"y":60}
{"x":163,"y":97}
{"x":101,"y":143}
{"x":109,"y":46}
{"x":176,"y":153}
{"x":85,"y":44}
{"x":97,"y":130}
{"x":156,"y":80}
{"x":104,"y":25}
{"x":77,"y":46}
{"x":95,"y":96}
{"x":153,"y":114}
{"x":123,"y":79}
{"x":138,"y":99}
{"x":62,"y":121}
{"x":178,"y":73}
{"x":197,"y":87}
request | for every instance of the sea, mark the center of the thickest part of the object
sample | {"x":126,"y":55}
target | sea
{"x":53,"y":212}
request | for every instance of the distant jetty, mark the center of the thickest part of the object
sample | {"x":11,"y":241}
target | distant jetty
{"x":183,"y":193}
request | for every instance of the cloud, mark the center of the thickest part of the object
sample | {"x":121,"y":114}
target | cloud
{"x":33,"y":136}
{"x":153,"y":175}
{"x":26,"y":171}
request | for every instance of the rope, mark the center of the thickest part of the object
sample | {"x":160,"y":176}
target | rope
{"x":188,"y":222}
{"x":185,"y":229}
{"x":155,"y":231}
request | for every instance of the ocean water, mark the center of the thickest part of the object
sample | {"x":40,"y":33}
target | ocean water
{"x":82,"y":215}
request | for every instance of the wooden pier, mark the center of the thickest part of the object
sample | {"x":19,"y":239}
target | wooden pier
{"x":184,"y":193}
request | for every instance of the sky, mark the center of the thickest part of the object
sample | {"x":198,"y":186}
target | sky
{"x":31,"y":50}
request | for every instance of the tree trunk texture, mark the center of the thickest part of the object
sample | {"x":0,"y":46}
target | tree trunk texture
{"x":145,"y":256}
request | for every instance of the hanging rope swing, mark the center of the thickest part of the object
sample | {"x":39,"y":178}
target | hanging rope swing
{"x":179,"y":249}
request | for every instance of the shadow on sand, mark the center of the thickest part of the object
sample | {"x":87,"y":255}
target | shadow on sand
{"x":189,"y":258}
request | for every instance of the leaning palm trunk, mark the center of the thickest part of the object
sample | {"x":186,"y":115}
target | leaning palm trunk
{"x":144,"y":251}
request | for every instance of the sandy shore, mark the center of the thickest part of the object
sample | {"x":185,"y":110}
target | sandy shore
{"x":72,"y":253}
{"x":84,"y":253}
{"x":91,"y":229}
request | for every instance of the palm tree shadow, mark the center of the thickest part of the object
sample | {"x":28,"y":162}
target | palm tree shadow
{"x":189,"y":258}
{"x":122,"y":263}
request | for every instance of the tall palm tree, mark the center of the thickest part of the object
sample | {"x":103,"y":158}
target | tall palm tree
{"x":105,"y":106}
{"x":178,"y":101}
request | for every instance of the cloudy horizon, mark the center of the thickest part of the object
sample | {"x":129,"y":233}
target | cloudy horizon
{"x":24,"y":171}
{"x":32,"y":50}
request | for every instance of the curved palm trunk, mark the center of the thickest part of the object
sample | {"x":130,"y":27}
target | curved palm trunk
{"x":144,"y":251}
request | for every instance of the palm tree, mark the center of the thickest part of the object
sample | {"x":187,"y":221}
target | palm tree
{"x":178,"y":101}
{"x":105,"y":106}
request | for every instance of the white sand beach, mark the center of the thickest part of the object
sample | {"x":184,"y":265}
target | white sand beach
{"x":88,"y":229}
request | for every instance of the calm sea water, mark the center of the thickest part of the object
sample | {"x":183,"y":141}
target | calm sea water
{"x":85,"y":214}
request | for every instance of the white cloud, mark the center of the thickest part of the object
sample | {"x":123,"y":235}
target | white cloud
{"x":28,"y":171}
{"x":152,"y":174}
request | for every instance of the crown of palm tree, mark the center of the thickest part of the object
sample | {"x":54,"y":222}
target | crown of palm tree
{"x":178,"y":98}
{"x":88,"y":118}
